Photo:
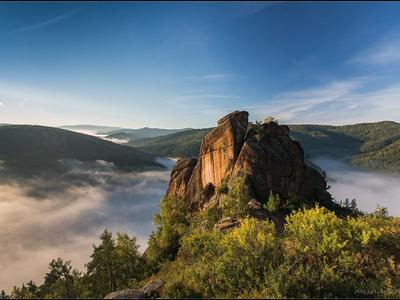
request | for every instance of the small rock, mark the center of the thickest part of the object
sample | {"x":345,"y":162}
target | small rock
{"x":254,"y":204}
{"x":126,"y":294}
{"x":152,"y":289}
{"x":226,"y":220}
{"x":225,"y":224}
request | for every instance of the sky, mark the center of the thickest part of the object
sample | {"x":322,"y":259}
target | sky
{"x":186,"y":64}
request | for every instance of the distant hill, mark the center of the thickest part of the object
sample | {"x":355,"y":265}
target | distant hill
{"x":31,"y":147}
{"x":141,"y":133}
{"x":90,"y":129}
{"x":121,"y":135}
{"x":179,"y":144}
{"x":369,"y":145}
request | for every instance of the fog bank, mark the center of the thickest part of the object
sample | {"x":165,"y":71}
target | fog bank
{"x":368,"y":188}
{"x":42,"y":219}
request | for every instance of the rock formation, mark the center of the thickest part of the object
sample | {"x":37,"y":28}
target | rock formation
{"x":270,"y":159}
{"x":150,"y":290}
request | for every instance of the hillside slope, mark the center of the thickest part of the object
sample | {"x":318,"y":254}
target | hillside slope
{"x":141,"y":133}
{"x":26,"y":147}
{"x":348,"y":140}
{"x":185,"y":143}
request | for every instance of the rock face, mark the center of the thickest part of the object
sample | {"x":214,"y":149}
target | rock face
{"x":271,"y":160}
{"x":180,"y":176}
{"x":220,"y":149}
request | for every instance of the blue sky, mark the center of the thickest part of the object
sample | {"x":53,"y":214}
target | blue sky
{"x":185,"y":64}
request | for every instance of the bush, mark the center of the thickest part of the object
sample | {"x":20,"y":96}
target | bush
{"x":212,"y":215}
{"x":270,"y":119}
{"x":381,"y":212}
{"x":173,"y":222}
{"x":223,"y":189}
{"x":234,"y":203}
{"x":273,"y":202}
{"x":318,"y":255}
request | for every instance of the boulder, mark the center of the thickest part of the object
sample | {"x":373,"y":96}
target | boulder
{"x":126,"y":294}
{"x":153,"y":288}
{"x":180,"y":177}
{"x":225,"y":224}
{"x":254,"y":204}
{"x":150,"y":290}
{"x":203,"y":197}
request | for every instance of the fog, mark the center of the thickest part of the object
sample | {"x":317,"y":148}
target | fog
{"x":46,"y":218}
{"x":368,"y":188}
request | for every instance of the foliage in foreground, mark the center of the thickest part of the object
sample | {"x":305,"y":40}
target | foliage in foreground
{"x":317,"y":255}
{"x":115,"y":264}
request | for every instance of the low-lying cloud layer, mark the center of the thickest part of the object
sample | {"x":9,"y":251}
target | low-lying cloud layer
{"x":42,"y":218}
{"x":368,"y":188}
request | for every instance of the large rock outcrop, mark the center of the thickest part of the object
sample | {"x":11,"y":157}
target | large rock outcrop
{"x":271,"y":160}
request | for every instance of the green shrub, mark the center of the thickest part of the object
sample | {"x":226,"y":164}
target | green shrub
{"x":273,"y":202}
{"x":173,"y":222}
{"x":212,"y":215}
{"x":381,"y":211}
{"x":234,"y":204}
{"x":223,"y":189}
{"x":270,"y":119}
{"x":318,"y":255}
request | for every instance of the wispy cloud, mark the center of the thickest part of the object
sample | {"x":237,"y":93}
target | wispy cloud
{"x":1,"y":104}
{"x":338,"y":102}
{"x":43,"y":23}
{"x":383,"y":52}
{"x":341,"y":102}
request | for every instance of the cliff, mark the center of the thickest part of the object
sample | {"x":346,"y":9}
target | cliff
{"x":269,"y":159}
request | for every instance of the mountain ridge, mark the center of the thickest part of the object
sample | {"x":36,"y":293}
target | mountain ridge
{"x":35,"y":147}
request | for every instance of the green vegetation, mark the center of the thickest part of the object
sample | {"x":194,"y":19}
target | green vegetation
{"x":28,"y":148}
{"x":173,"y":222}
{"x":273,"y":202}
{"x":318,"y":255}
{"x":223,"y":189}
{"x":234,"y":202}
{"x":114,"y":265}
{"x":270,"y":119}
{"x":180,"y":144}
{"x":369,"y":145}
{"x":141,"y":133}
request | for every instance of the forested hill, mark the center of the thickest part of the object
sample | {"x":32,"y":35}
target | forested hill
{"x":141,"y":133}
{"x":369,"y":145}
{"x":185,"y":143}
{"x":31,"y":147}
